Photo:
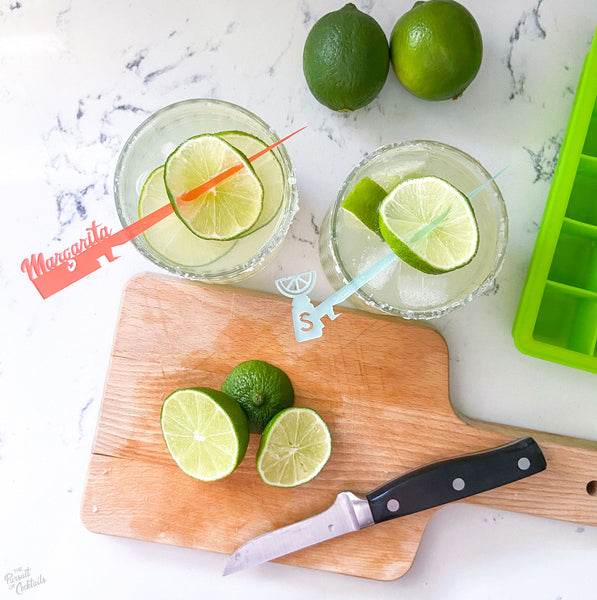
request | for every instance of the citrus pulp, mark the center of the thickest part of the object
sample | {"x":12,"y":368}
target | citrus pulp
{"x":294,"y":448}
{"x":170,"y":237}
{"x":205,"y":431}
{"x":227,"y":210}
{"x":429,"y":224}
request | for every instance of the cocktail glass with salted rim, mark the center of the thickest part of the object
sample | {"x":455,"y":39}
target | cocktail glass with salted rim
{"x":347,"y":248}
{"x":169,"y":244}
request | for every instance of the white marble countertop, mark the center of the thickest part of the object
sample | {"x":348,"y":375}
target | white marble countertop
{"x":76,"y":79}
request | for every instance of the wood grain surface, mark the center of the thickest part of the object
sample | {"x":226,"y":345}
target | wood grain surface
{"x":381,"y":385}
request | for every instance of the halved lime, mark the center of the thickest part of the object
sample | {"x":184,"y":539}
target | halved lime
{"x":429,"y":224}
{"x":294,"y":448}
{"x":227,"y":210}
{"x":363,"y":202}
{"x":171,"y":237}
{"x":205,"y":431}
{"x":268,"y":170}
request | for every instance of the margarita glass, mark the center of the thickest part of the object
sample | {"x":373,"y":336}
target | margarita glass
{"x":347,"y":247}
{"x":148,"y":148}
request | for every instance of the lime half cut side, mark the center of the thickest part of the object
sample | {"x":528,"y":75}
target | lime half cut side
{"x":295,"y":446}
{"x":267,"y":168}
{"x":429,"y":224}
{"x":170,"y":237}
{"x":227,"y":210}
{"x":205,"y":431}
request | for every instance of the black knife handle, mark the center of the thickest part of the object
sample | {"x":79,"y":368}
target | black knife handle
{"x":456,"y":478}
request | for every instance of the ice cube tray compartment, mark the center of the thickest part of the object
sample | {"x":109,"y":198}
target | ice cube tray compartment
{"x":567,"y":319}
{"x":575,"y":258}
{"x":582,"y":205}
{"x":564,"y":327}
{"x":557,"y":315}
{"x":590,"y":146}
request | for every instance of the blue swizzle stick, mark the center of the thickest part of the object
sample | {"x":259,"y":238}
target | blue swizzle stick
{"x":306,"y":317}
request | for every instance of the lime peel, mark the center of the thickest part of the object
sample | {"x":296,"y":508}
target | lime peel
{"x":436,"y":49}
{"x":346,"y":59}
{"x":261,"y":389}
{"x":363,"y":202}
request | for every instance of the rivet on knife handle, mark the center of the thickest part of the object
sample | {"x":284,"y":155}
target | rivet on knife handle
{"x":456,"y":478}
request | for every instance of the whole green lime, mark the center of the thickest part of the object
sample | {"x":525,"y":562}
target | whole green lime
{"x":261,"y":389}
{"x":436,"y":49}
{"x":346,"y":59}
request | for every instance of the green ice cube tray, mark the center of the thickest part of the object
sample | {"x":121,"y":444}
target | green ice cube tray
{"x":556,"y":318}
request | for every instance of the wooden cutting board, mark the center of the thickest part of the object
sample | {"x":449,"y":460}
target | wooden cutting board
{"x":381,"y":384}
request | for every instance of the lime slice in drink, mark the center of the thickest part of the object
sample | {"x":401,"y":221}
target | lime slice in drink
{"x":363,"y":202}
{"x":228,"y":209}
{"x":171,"y":237}
{"x":268,"y":170}
{"x":206,"y":432}
{"x":429,"y":224}
{"x":295,"y":446}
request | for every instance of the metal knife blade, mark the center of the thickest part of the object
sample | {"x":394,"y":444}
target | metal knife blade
{"x":348,"y":513}
{"x":432,"y":485}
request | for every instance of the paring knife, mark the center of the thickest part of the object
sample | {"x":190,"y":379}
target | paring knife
{"x":429,"y":486}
